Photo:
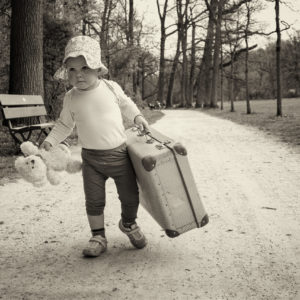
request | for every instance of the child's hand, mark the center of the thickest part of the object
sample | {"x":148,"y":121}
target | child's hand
{"x":46,"y":145}
{"x":142,"y":123}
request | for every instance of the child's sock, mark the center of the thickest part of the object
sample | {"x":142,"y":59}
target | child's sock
{"x":127,"y":224}
{"x":99,"y":231}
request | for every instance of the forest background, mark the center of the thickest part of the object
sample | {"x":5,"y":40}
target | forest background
{"x":208,"y":51}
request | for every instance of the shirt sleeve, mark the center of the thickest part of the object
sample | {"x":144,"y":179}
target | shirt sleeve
{"x":128,"y":108}
{"x":64,"y":125}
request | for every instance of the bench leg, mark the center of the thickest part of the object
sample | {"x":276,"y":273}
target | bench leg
{"x":19,"y":141}
{"x":44,"y":131}
{"x":25,"y":137}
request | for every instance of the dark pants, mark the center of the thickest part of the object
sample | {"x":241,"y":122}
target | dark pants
{"x":97,"y":167}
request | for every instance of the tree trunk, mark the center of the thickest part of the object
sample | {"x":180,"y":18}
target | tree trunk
{"x":246,"y":78}
{"x":222,"y":79}
{"x":104,"y":31}
{"x":278,"y":67}
{"x":200,"y":87}
{"x":204,"y":75}
{"x":26,"y":50}
{"x":184,"y":75}
{"x":169,"y":101}
{"x":216,"y":62}
{"x":247,"y":60}
{"x":161,"y":76}
{"x":193,"y":62}
{"x":143,"y":78}
{"x":162,"y":63}
{"x":130,"y":22}
{"x":131,"y":37}
{"x":231,"y":86}
{"x":84,"y":29}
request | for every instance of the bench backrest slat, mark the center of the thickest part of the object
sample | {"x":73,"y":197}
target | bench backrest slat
{"x":15,"y":100}
{"x":23,"y":112}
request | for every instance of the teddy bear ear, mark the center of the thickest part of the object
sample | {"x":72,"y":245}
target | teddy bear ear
{"x":28,"y":148}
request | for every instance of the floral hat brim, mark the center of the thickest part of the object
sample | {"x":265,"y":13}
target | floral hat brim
{"x":84,"y":46}
{"x":62,"y":73}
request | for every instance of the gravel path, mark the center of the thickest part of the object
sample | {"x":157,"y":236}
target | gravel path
{"x":250,"y":185}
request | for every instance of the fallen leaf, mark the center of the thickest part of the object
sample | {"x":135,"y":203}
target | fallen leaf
{"x":267,"y":207}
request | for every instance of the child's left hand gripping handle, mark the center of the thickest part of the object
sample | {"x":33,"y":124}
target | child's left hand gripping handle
{"x":46,"y":145}
{"x":141,"y":122}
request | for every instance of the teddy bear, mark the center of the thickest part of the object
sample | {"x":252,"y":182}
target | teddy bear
{"x":39,"y":166}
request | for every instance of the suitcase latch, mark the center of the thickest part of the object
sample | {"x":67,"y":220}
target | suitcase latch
{"x":149,"y":140}
{"x":160,"y":146}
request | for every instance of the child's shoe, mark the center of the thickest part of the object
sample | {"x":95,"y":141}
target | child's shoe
{"x":135,"y":235}
{"x":97,"y":245}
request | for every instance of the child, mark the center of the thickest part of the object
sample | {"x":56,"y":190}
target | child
{"x":96,"y":107}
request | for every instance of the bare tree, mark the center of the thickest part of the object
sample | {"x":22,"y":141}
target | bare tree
{"x":278,"y":67}
{"x":104,"y":32}
{"x":162,"y":63}
{"x":217,"y":11}
{"x":163,"y":37}
{"x":169,"y":101}
{"x":222,"y":79}
{"x":204,"y":73}
{"x":184,"y":74}
{"x":192,"y":63}
{"x":216,"y":58}
{"x":130,"y":44}
{"x":247,"y":59}
{"x":233,"y":39}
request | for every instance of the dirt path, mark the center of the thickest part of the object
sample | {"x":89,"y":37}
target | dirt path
{"x":250,"y":186}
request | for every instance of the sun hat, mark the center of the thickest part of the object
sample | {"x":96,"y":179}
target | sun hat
{"x":86,"y":46}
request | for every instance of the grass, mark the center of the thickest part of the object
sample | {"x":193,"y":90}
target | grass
{"x":263,"y":117}
{"x":8,"y":149}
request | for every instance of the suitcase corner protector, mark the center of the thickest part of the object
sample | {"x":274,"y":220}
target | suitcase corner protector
{"x":204,"y":221}
{"x":180,"y":149}
{"x":171,"y":233}
{"x":149,"y":163}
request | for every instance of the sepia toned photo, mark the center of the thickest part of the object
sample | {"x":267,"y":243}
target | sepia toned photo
{"x":150,"y":149}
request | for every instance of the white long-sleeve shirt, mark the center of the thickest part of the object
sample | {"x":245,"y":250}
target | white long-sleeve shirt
{"x":97,"y":115}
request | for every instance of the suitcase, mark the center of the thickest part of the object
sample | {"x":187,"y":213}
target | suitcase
{"x":166,"y":184}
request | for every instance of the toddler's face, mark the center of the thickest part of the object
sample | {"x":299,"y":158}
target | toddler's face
{"x":80,"y":75}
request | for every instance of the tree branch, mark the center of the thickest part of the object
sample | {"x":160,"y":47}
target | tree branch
{"x":234,"y":7}
{"x":287,"y":26}
{"x":237,"y":54}
{"x":92,"y":25}
{"x":172,"y":32}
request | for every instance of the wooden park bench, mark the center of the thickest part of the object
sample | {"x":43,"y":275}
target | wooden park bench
{"x":23,"y":115}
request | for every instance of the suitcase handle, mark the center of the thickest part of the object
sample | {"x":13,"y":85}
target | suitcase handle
{"x":162,"y":143}
{"x":149,"y":139}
